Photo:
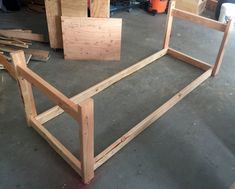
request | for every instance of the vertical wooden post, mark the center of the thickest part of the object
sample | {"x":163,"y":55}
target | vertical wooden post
{"x":87,"y":140}
{"x":220,"y":55}
{"x":168,"y":25}
{"x":25,"y":87}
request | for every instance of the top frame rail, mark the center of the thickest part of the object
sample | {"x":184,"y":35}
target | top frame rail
{"x":199,"y":20}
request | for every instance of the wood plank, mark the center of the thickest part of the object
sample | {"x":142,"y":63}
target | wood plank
{"x":199,"y":20}
{"x":11,"y":43}
{"x":135,"y":131}
{"x":87,"y":140}
{"x":220,"y":55}
{"x":39,"y":55}
{"x":91,"y":38}
{"x":168,"y":26}
{"x":74,"y":8}
{"x":55,"y":111}
{"x":57,"y":146}
{"x":188,"y":59}
{"x":23,"y":35}
{"x":100,"y":8}
{"x":51,"y":92}
{"x":53,"y":13}
{"x":8,"y":66}
{"x":25,"y":88}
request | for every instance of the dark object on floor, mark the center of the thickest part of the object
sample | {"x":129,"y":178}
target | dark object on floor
{"x":12,"y":5}
{"x":121,"y":5}
{"x":220,"y":2}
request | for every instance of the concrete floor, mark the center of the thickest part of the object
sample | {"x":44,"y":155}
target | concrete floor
{"x":192,"y":146}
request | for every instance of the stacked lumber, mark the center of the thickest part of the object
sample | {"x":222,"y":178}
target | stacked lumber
{"x":97,"y":37}
{"x":17,"y":39}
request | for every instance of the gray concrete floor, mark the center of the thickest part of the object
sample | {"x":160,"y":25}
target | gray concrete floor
{"x":192,"y":146}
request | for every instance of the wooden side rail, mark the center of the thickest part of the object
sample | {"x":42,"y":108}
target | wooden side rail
{"x":188,"y":59}
{"x":55,"y":111}
{"x":184,"y":15}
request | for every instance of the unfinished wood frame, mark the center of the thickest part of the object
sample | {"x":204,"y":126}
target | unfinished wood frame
{"x":81,"y":106}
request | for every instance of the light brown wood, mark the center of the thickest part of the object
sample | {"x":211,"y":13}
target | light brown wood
{"x":11,"y":43}
{"x":53,"y":13}
{"x":220,"y":55}
{"x":193,"y":6}
{"x":100,"y":8}
{"x":57,"y":146}
{"x":50,"y":91}
{"x":55,"y":111}
{"x":73,"y":8}
{"x":199,"y":20}
{"x":91,"y":38}
{"x":40,"y":55}
{"x":18,"y":58}
{"x":168,"y":26}
{"x":211,"y":5}
{"x":126,"y":138}
{"x":87,"y":140}
{"x":9,"y":67}
{"x":188,"y":59}
{"x":23,"y":35}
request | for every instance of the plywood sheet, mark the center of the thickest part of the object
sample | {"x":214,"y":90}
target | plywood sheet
{"x":74,"y":8}
{"x":91,"y":38}
{"x":100,"y":8}
{"x":53,"y":13}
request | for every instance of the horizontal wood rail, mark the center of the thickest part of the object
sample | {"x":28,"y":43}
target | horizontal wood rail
{"x":55,"y":111}
{"x":126,"y":138}
{"x":199,"y":20}
{"x":57,"y":146}
{"x":55,"y":95}
{"x":188,"y":59}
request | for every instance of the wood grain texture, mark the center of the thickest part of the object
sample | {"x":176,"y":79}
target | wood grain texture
{"x":55,"y":111}
{"x":188,"y":59}
{"x":87,"y":140}
{"x":224,"y":42}
{"x":23,"y":35}
{"x":92,"y":38}
{"x":100,"y":8}
{"x":199,"y":20}
{"x":53,"y":13}
{"x":77,"y":8}
{"x":18,"y":58}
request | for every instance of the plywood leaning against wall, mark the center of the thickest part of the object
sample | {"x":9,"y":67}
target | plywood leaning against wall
{"x":53,"y":13}
{"x":74,"y":8}
{"x":91,"y":38}
{"x":100,"y":8}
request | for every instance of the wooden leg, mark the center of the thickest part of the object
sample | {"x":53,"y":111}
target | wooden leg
{"x":25,"y":87}
{"x":87,"y":140}
{"x":168,"y":25}
{"x":220,"y":55}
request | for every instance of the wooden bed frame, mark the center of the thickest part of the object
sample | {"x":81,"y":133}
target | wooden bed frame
{"x":81,"y":106}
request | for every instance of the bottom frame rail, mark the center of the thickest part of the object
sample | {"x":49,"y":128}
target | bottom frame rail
{"x":188,"y":59}
{"x":57,"y":146}
{"x":131,"y":134}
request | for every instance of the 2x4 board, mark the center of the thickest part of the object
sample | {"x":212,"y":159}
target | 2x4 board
{"x":91,"y":38}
